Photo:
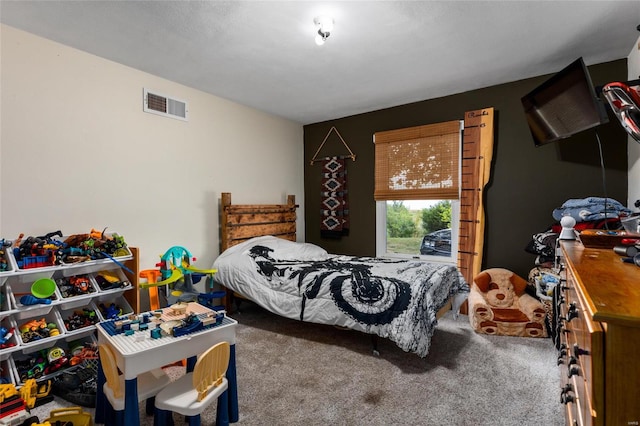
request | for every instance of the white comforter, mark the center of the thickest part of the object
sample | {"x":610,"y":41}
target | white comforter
{"x":395,"y":299}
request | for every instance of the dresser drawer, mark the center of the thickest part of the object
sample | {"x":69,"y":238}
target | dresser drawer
{"x":602,"y":296}
{"x":588,"y":349}
{"x":585,"y":354}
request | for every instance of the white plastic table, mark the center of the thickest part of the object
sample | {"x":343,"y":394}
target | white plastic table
{"x":135,"y":356}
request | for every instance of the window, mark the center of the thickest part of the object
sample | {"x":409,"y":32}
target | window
{"x":474,"y":164}
{"x":403,"y":229}
{"x":417,"y":191}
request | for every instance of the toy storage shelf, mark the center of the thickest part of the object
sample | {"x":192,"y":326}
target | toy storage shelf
{"x":16,"y":281}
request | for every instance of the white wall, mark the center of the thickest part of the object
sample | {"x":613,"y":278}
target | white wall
{"x":78,"y":152}
{"x":633,"y":64}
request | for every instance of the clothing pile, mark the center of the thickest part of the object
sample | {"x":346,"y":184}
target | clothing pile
{"x":589,"y":213}
{"x":591,"y":209}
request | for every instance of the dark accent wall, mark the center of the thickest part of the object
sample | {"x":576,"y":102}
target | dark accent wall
{"x":527,"y":183}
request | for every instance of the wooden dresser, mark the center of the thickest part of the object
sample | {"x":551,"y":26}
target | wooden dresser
{"x":599,"y":329}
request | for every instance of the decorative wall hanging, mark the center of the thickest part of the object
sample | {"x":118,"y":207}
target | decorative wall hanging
{"x":332,"y":129}
{"x":334,"y":210}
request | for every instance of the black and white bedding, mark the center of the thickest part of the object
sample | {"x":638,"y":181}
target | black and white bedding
{"x":395,"y":299}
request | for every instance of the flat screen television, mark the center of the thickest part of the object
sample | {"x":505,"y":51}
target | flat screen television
{"x":563,"y":105}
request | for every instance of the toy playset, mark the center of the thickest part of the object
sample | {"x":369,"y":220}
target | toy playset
{"x":176,"y":320}
{"x":178,"y":276}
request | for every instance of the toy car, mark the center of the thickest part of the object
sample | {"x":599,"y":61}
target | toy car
{"x":5,"y":335}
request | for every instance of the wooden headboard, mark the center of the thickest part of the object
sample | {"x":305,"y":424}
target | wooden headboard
{"x":240,"y":222}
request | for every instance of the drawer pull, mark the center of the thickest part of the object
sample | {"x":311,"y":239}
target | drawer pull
{"x":563,"y":352}
{"x":577,"y":350}
{"x":565,"y":397}
{"x":573,"y":312}
{"x":573,"y":371}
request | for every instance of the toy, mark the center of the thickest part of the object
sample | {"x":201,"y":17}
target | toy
{"x":36,"y":252}
{"x":42,"y":251}
{"x":80,"y":353}
{"x":43,"y":288}
{"x":29,"y":299}
{"x":206,"y":299}
{"x":36,"y":394}
{"x":32,"y":368}
{"x":177,"y":273}
{"x":33,"y":325}
{"x":77,"y":386}
{"x":13,"y":406}
{"x":5,"y":335}
{"x":107,"y":281}
{"x":37,"y":329}
{"x":68,"y":416}
{"x":41,"y":291}
{"x":4,"y":265}
{"x":80,"y":319}
{"x":110,"y":312}
{"x":197,"y":322}
{"x":74,"y":286}
{"x":57,"y":359}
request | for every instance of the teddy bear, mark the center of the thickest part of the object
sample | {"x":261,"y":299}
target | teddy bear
{"x":498,"y":304}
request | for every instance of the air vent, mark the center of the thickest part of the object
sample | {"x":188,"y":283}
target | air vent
{"x":159,"y":104}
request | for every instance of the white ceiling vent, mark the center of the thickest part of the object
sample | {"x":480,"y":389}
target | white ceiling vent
{"x":156,"y":103}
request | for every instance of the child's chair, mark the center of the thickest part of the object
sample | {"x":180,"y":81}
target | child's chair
{"x":149,"y":384}
{"x":499,"y":304}
{"x":193,"y":392}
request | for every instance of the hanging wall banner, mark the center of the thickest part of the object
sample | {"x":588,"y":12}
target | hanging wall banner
{"x":334,"y":211}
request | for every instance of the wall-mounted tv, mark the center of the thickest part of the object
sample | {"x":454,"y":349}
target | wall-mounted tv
{"x":563,"y":105}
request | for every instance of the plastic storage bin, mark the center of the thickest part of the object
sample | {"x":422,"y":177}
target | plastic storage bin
{"x":48,"y":362}
{"x":111,"y":283}
{"x":114,"y":307}
{"x":16,"y":290}
{"x":75,"y":289}
{"x":6,"y":264}
{"x":6,"y":308}
{"x":9,"y":344}
{"x":80,"y":321}
{"x":28,"y":342}
{"x":6,"y":373}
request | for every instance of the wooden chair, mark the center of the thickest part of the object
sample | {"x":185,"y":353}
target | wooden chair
{"x":193,"y":392}
{"x":149,"y":384}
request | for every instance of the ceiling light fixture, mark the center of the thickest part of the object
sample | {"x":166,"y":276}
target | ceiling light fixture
{"x":325,"y":26}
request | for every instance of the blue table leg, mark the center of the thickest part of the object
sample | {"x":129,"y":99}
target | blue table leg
{"x":101,"y":400}
{"x":233,"y":386}
{"x":191,"y":363}
{"x":131,"y":410}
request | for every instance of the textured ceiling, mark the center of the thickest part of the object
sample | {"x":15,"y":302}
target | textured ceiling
{"x":380,"y":53}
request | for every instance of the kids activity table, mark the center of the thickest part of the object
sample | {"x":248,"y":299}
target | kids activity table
{"x":135,"y":355}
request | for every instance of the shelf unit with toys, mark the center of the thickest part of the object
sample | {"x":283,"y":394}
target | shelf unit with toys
{"x":82,"y":293}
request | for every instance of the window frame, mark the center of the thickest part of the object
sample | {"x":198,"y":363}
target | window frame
{"x":477,"y":158}
{"x":381,"y":236}
{"x":381,"y":222}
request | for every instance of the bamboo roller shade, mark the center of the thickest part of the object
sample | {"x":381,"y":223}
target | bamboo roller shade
{"x":400,"y":170}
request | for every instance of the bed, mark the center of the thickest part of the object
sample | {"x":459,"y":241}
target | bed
{"x":400,"y":300}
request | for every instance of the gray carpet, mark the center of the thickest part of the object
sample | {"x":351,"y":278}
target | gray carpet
{"x":292,"y":373}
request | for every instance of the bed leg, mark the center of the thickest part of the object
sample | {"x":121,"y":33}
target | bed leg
{"x":374,"y":343}
{"x":228,"y":300}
